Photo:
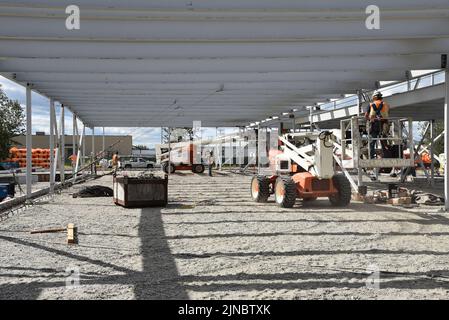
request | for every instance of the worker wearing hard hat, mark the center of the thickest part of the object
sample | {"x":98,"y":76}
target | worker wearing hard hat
{"x":210,"y":162}
{"x":115,"y":162}
{"x":73,"y":159}
{"x":377,"y":113}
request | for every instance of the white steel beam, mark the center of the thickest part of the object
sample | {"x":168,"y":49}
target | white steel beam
{"x":300,"y":64}
{"x":223,"y":77}
{"x":42,"y":48}
{"x":145,"y":87}
{"x":231,"y":29}
{"x":150,"y":110}
{"x":149,"y":105}
{"x":245,"y":5}
{"x":194,"y":96}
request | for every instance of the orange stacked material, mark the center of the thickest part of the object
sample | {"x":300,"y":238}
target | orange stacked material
{"x":40,"y":157}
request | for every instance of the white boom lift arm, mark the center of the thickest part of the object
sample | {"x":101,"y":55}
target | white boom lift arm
{"x":315,"y":154}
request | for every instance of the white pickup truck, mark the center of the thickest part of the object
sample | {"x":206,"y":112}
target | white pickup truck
{"x":136,"y":163}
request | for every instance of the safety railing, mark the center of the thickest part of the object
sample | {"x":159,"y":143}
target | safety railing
{"x":423,"y":81}
{"x":360,"y":147}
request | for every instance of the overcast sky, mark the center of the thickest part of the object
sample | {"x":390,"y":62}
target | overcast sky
{"x":41,"y":116}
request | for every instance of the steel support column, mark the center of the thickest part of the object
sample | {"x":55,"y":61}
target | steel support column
{"x":57,"y":152}
{"x":359,"y":169}
{"x":52,"y":145}
{"x":93,"y":152}
{"x":84,"y":146}
{"x":240,"y":153}
{"x":281,"y":128}
{"x":62,"y":147}
{"x":446,"y":141}
{"x":432,"y":164}
{"x":104,"y":144}
{"x":258,"y":149}
{"x":93,"y":141}
{"x":311,"y":118}
{"x":169,"y":152}
{"x":219,"y":150}
{"x":292,"y":117}
{"x":29,"y":141}
{"x":73,"y":140}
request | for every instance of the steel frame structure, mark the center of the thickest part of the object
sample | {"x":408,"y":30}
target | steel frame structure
{"x":227,"y":63}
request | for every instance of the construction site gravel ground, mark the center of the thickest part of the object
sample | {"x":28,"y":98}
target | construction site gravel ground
{"x":213,"y":242}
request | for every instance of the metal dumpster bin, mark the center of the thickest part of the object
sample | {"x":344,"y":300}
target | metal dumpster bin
{"x":140,"y":192}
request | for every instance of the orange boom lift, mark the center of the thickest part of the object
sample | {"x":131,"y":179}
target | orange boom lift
{"x":302,"y":168}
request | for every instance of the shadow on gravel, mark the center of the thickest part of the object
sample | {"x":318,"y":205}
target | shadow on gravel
{"x":311,"y":281}
{"x":160,"y":274}
{"x":299,"y":253}
{"x":159,"y":278}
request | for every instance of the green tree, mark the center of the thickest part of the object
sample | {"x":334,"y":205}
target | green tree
{"x":140,"y":147}
{"x":12,"y":120}
{"x":177,"y":134}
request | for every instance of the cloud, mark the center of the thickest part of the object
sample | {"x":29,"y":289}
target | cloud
{"x":11,"y":88}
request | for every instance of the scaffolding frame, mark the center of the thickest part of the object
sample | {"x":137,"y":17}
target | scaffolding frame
{"x":352,"y":148}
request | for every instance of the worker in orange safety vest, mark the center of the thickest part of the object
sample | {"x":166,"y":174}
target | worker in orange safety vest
{"x":115,"y":162}
{"x":377,"y":113}
{"x":73,"y":159}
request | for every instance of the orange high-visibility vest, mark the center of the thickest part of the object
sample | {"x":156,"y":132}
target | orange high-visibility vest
{"x":426,"y":158}
{"x":379,"y":108}
{"x":114,"y":159}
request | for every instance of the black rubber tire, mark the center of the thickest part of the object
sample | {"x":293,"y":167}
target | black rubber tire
{"x":288,"y":187}
{"x":263,"y":188}
{"x":343,"y":197}
{"x":150,"y":166}
{"x":165,"y":167}
{"x":198,"y":168}
{"x":128,"y":166}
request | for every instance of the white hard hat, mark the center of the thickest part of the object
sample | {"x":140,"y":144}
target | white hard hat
{"x":377,"y":94}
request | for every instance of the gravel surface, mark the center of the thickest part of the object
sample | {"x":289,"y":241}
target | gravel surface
{"x":213,"y":242}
